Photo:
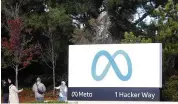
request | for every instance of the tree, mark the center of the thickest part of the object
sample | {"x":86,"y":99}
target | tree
{"x":18,"y":50}
{"x":96,"y":30}
{"x":121,"y":15}
{"x":50,"y":21}
{"x":131,"y":38}
{"x":170,"y":91}
{"x":165,"y":32}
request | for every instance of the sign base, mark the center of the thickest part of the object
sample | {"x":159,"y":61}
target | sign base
{"x":113,"y":94}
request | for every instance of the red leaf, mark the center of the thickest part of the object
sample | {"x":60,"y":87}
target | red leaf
{"x":29,"y":58}
{"x":14,"y":43}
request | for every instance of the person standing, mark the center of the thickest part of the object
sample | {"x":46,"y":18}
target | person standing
{"x":5,"y":91}
{"x":13,"y":92}
{"x":62,"y":92}
{"x":39,"y":89}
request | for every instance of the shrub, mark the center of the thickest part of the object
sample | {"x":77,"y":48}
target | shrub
{"x":170,"y":90}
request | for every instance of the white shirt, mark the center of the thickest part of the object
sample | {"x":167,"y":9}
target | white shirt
{"x":63,"y":90}
{"x":13,"y":94}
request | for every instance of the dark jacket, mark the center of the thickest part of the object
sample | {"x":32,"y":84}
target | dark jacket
{"x":5,"y":88}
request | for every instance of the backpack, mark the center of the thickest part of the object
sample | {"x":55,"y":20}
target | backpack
{"x":39,"y":91}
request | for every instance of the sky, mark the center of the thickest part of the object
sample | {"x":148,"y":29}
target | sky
{"x":141,"y":12}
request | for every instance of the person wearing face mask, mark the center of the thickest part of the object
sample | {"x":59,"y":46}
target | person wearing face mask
{"x":13,"y":92}
{"x":62,"y":92}
{"x":39,"y":89}
{"x":5,"y":91}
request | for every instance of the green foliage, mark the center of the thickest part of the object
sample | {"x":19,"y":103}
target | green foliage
{"x":167,"y":34}
{"x":78,"y":6}
{"x":35,"y":20}
{"x":171,"y":89}
{"x":167,"y":31}
{"x":54,"y":24}
{"x":131,"y":38}
{"x":6,"y":56}
{"x":81,"y":37}
{"x":55,"y":17}
{"x":58,"y":23}
{"x":112,"y":3}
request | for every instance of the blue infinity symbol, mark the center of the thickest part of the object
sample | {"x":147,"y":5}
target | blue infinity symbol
{"x":111,"y":63}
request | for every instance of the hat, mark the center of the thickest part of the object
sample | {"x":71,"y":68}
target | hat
{"x":63,"y":82}
{"x":38,"y":79}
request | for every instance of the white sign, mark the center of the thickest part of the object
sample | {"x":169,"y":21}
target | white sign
{"x":115,"y":65}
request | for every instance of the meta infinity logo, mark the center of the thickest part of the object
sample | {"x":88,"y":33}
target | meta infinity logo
{"x":111,"y":63}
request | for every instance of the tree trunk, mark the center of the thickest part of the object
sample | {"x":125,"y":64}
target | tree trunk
{"x":16,"y":76}
{"x":53,"y":62}
{"x":54,"y":79}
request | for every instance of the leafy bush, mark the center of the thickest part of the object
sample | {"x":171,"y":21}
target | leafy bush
{"x":170,"y":90}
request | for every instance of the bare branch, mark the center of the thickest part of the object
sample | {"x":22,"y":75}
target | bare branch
{"x":13,"y":66}
{"x":48,"y":53}
{"x":21,"y":68}
{"x":141,"y":19}
{"x":55,"y":59}
{"x":43,"y":56}
{"x":146,"y":14}
{"x":4,"y":25}
{"x":173,"y":63}
{"x":46,"y":62}
{"x":45,"y":34}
